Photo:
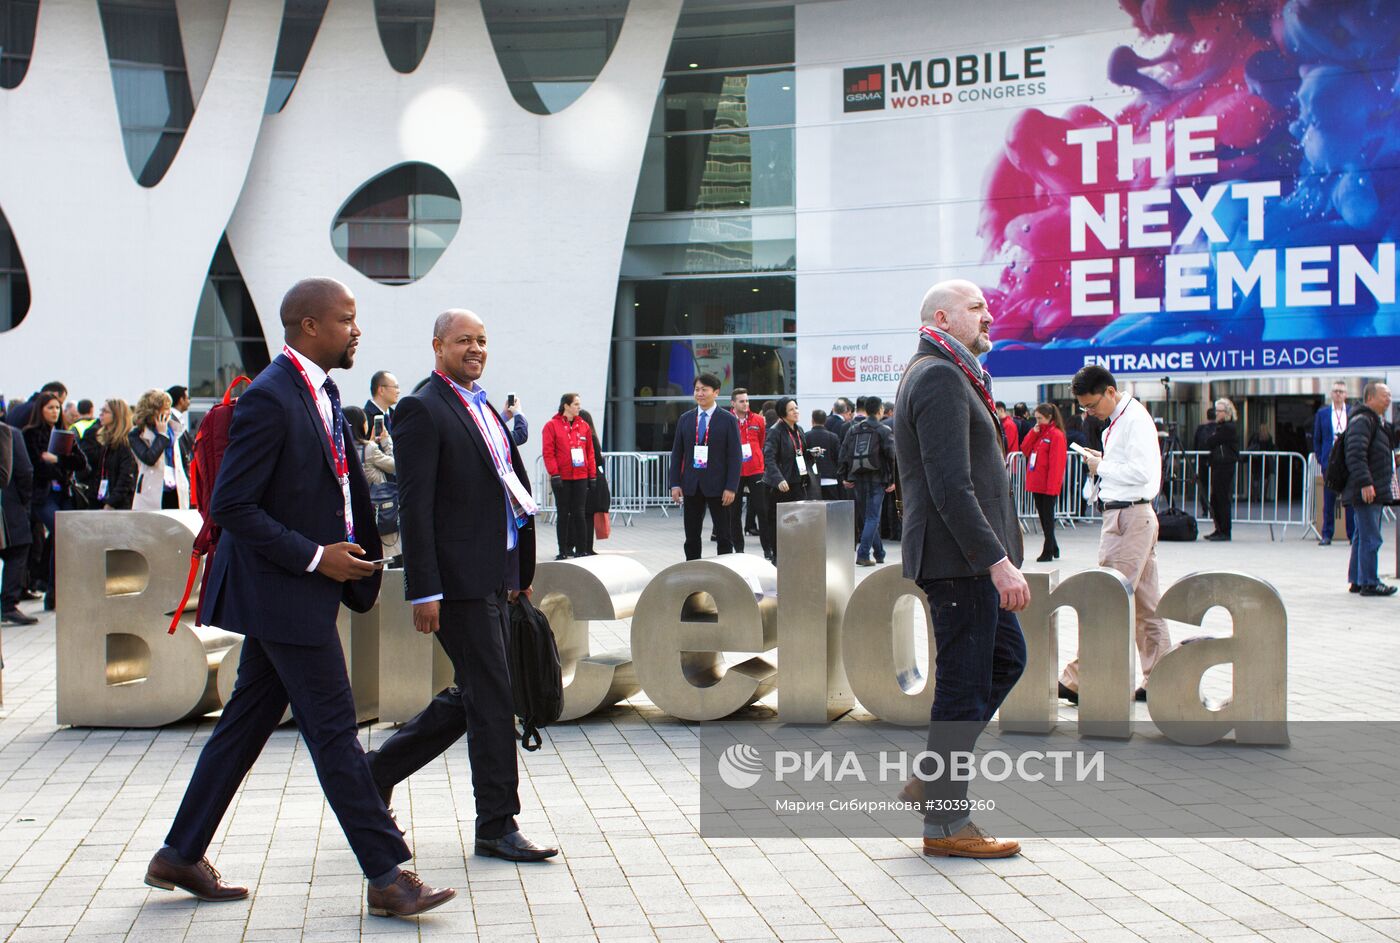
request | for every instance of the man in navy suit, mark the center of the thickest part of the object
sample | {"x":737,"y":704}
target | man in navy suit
{"x":706,"y":461}
{"x":469,"y":550}
{"x":298,"y":540}
{"x":1329,"y":423}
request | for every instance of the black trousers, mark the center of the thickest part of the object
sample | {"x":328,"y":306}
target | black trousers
{"x":473,"y":633}
{"x":16,"y":560}
{"x":570,"y":498}
{"x":775,"y":498}
{"x":1045,"y":507}
{"x":1222,"y":496}
{"x":694,"y":507}
{"x":313,"y":678}
{"x":757,"y":491}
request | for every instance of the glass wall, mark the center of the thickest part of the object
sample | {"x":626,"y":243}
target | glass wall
{"x":707,"y":283}
{"x":550,"y":52}
{"x":14,"y":282}
{"x":151,"y":84}
{"x":405,"y":28}
{"x":300,"y":21}
{"x":396,"y":227}
{"x":228,"y":338}
{"x":17,"y":21}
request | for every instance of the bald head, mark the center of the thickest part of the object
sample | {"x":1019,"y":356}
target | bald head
{"x":318,"y":321}
{"x":310,"y":298}
{"x":459,"y":345}
{"x":959,"y":308}
{"x":447,"y":322}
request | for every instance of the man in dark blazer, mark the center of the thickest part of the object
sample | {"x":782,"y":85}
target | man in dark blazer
{"x":706,"y":463}
{"x":467,"y":520}
{"x":298,"y":539}
{"x":1328,"y":424}
{"x":15,"y":532}
{"x":962,"y":545}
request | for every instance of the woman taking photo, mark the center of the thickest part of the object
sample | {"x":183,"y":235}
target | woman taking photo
{"x":377,"y":458}
{"x":111,"y":477}
{"x":1044,"y":448}
{"x":571,"y":464}
{"x":785,"y":462}
{"x":53,"y":477}
{"x":160,"y":475}
{"x":1224,"y":446}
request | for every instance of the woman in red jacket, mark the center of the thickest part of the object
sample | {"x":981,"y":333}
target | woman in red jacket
{"x":1044,"y":448}
{"x":569,"y":459}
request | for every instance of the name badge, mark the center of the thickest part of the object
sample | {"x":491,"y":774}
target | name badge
{"x":169,"y":478}
{"x":746,"y":450}
{"x":522,"y":497}
{"x":349,"y":516}
{"x":576,"y":453}
{"x":1032,"y":461}
{"x":801,"y":464}
{"x":102,"y":490}
{"x":702,"y":456}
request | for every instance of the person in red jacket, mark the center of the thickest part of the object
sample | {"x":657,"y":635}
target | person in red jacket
{"x":1009,"y":430}
{"x":753,"y":432}
{"x":569,"y":459}
{"x":1044,"y":449}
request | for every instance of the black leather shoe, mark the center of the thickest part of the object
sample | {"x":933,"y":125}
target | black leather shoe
{"x":513,"y":847}
{"x":1380,"y":589}
{"x":1217,"y":536}
{"x":1325,"y":542}
{"x":1140,"y":694}
{"x":1045,"y":556}
{"x":561,"y":556}
{"x":1355,"y":588}
{"x":1067,"y":695}
{"x":16,"y":617}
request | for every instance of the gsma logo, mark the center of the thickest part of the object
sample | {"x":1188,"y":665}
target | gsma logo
{"x":843,"y":369}
{"x":865,"y":88}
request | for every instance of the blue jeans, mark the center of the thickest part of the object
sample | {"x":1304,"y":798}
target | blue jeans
{"x":1366,"y":544}
{"x":981,"y":654}
{"x":870,"y":495}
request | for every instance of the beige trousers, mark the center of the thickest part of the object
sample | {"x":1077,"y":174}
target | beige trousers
{"x":1128,"y":544}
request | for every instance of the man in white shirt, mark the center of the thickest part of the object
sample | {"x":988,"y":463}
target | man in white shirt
{"x":1128,"y":475}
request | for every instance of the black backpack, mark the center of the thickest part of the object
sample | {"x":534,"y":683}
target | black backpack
{"x":865,"y":448}
{"x":1336,"y":475}
{"x":1175,"y":524}
{"x":536,"y":681}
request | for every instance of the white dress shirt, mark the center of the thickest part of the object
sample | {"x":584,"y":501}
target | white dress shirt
{"x":1339,"y":422}
{"x":317,"y":376}
{"x":1131,"y":469}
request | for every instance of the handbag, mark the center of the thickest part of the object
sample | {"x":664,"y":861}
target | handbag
{"x":385,"y":498}
{"x":602,"y":525}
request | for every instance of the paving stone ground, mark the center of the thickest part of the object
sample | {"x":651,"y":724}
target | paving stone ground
{"x":81,"y":811}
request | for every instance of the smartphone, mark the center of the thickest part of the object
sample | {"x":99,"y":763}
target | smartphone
{"x":510,"y":400}
{"x":378,"y":425}
{"x":1080,"y":449}
{"x":382,"y":561}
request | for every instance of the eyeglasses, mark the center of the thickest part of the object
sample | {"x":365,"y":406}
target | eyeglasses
{"x":1090,"y":407}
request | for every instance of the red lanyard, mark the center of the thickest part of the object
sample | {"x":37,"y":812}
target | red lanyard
{"x":342,"y":464}
{"x":502,"y":465}
{"x":932,"y":336}
{"x":1112,"y":424}
{"x":796,"y":439}
{"x":698,"y":413}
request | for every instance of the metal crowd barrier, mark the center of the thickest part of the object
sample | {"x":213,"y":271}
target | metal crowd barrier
{"x":636,"y":480}
{"x":1270,"y":488}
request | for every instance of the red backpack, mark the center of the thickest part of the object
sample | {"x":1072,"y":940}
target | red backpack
{"x":209,"y":445}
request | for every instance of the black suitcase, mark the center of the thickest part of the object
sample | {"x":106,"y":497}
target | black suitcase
{"x":1175,"y":524}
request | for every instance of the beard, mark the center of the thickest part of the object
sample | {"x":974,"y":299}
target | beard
{"x":980,"y":344}
{"x":347,"y":358}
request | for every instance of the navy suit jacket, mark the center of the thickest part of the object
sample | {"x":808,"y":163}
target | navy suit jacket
{"x":277,"y":499}
{"x":726,"y":458}
{"x":1322,"y":435}
{"x":452,"y":505}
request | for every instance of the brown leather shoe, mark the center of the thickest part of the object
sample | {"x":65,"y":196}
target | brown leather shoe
{"x":200,"y":879}
{"x":408,"y":896}
{"x":970,"y":842}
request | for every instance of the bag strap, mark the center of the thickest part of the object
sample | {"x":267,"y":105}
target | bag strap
{"x":530,"y":737}
{"x":228,"y":393}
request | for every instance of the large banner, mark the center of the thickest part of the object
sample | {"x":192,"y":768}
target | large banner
{"x":1176,"y":188}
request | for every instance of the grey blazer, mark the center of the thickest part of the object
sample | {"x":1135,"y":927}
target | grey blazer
{"x":959,"y":516}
